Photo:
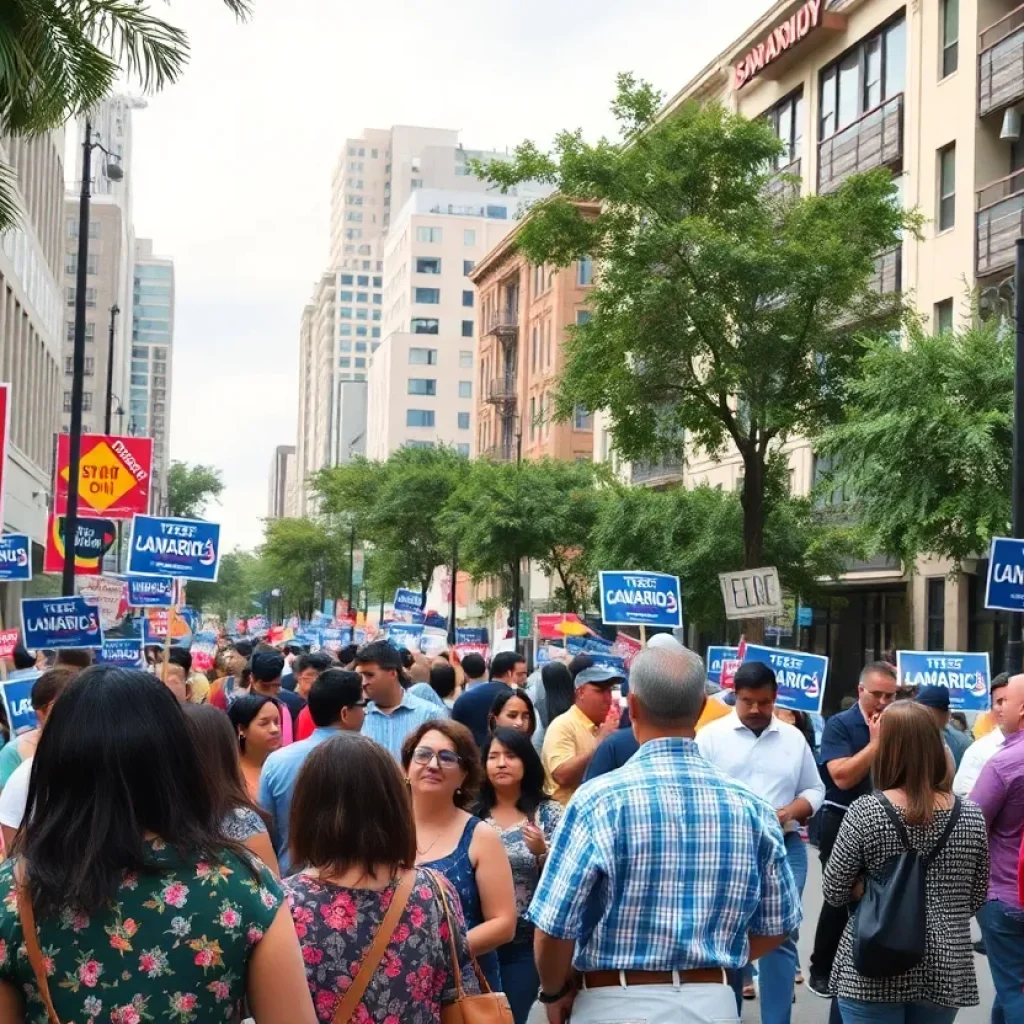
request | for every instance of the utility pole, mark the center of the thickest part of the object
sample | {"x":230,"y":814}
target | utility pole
{"x":1013,"y":646}
{"x":352,"y":570}
{"x":114,"y":310}
{"x":452,"y":602}
{"x":517,"y":563}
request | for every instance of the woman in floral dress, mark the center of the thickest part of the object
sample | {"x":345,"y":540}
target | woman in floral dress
{"x":351,"y":826}
{"x":144,"y":910}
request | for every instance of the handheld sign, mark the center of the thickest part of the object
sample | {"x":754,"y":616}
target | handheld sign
{"x":184,"y":548}
{"x":125,"y":653}
{"x":150,"y":592}
{"x":405,"y":634}
{"x":15,"y":558}
{"x":57,"y":622}
{"x":17,"y":697}
{"x":801,"y":676}
{"x":640,"y":599}
{"x":751,"y":593}
{"x":965,"y":674}
{"x":715,"y":658}
{"x":408,"y":600}
{"x":8,"y":642}
{"x":114,"y":475}
{"x":1005,"y":588}
{"x":93,"y":539}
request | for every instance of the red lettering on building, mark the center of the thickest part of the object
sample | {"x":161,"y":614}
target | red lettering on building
{"x":779,"y":40}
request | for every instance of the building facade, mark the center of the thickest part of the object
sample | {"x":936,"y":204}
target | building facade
{"x":282,"y":469}
{"x":149,"y":401}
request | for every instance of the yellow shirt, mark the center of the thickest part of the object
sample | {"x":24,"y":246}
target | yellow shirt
{"x":983,"y":724}
{"x":568,"y":736}
{"x":712,"y":709}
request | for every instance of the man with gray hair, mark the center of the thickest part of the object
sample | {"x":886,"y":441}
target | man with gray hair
{"x":663,"y":875}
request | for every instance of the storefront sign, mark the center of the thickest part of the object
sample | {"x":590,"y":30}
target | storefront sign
{"x":778,"y":41}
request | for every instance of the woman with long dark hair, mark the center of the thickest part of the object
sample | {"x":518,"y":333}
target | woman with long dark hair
{"x":554,"y":697}
{"x":257,"y":722}
{"x":144,"y":908}
{"x":513,"y":709}
{"x":215,"y":744}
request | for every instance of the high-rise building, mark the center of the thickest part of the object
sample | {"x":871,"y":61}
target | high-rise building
{"x":149,"y":402}
{"x":282,"y":470}
{"x":31,"y":311}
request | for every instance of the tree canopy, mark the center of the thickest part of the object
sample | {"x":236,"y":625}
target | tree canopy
{"x":191,"y":488}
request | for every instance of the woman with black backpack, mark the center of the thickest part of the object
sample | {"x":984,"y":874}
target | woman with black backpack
{"x":914,"y":860}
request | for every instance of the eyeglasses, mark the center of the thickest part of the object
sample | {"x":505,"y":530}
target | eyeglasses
{"x":881,"y":695}
{"x":447,"y":760}
{"x":358,"y":704}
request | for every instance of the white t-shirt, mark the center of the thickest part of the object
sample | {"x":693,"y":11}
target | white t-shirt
{"x":15,"y":795}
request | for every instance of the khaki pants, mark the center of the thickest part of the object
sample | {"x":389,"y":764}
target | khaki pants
{"x":656,"y":1004}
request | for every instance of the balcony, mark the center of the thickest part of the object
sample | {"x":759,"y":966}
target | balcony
{"x":1001,"y":63}
{"x":503,"y":324}
{"x":657,"y":473}
{"x":502,"y":390}
{"x":999,"y":222}
{"x":875,"y":139}
{"x":888,"y":276}
{"x":783,"y":185}
{"x":503,"y":451}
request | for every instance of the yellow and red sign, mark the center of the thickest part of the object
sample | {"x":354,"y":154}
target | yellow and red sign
{"x":95,"y":538}
{"x":114,"y":478}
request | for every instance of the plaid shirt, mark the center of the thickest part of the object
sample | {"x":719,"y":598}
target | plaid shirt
{"x":665,"y":864}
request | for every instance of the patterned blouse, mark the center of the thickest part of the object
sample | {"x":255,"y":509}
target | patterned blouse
{"x":955,"y":888}
{"x":173,"y":947}
{"x":336,"y":926}
{"x":525,"y":872}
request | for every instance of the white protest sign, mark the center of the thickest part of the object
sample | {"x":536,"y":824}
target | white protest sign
{"x":752,"y":593}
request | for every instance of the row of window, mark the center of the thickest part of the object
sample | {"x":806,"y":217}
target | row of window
{"x":345,"y":330}
{"x":427,"y":386}
{"x":428,"y":357}
{"x":348,"y":296}
{"x":429,"y":325}
{"x":432,"y":296}
{"x":462,"y":449}
{"x":361,"y":280}
{"x":361,"y":313}
{"x":434,"y":235}
{"x":361,"y":151}
{"x":432,"y":265}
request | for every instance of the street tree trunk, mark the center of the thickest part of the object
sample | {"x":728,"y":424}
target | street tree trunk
{"x":752,"y":499}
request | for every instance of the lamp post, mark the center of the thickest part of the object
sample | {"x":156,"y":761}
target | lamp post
{"x":114,"y":310}
{"x":115,"y":173}
{"x":1013,"y":646}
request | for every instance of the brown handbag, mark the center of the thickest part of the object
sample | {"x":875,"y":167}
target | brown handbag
{"x":27,"y":919}
{"x":488,"y":1007}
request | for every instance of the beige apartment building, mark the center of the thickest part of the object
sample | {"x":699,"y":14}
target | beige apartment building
{"x":930,"y":91}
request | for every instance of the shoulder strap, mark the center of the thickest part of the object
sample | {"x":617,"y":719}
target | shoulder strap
{"x":449,"y":918}
{"x":27,"y":919}
{"x":347,"y":1007}
{"x":897,"y":823}
{"x":954,"y":817}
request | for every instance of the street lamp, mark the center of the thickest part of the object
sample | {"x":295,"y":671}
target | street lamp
{"x":114,"y":173}
{"x":114,"y":310}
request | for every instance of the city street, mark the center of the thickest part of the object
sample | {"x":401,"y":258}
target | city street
{"x":812,"y":1010}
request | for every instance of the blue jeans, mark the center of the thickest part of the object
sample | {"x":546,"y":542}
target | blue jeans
{"x":856,"y":1011}
{"x":519,"y":978}
{"x":1003,"y":929}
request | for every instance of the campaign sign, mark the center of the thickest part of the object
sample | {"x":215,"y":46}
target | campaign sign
{"x":334,"y":638}
{"x":147,"y":592}
{"x":17,"y":697}
{"x":801,"y":677}
{"x":8,"y":642}
{"x":405,"y":634}
{"x":93,"y":539}
{"x":114,"y":475}
{"x":57,"y":622}
{"x":715,"y":658}
{"x":640,"y":599}
{"x":1005,"y":589}
{"x":184,"y":548}
{"x":965,"y":674}
{"x":15,"y":557}
{"x":471,"y":635}
{"x":125,"y":653}
{"x":204,"y":651}
{"x":408,"y":600}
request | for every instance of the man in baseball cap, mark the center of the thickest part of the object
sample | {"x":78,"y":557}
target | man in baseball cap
{"x":936,"y":700}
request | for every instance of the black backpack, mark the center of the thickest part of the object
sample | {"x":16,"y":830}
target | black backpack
{"x":889,"y":923}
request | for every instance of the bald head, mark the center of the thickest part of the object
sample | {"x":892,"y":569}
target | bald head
{"x":668,"y":684}
{"x":1013,"y":706}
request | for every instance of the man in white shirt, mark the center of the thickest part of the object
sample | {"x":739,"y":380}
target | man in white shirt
{"x":774,"y":760}
{"x":13,"y":800}
{"x":977,"y":755}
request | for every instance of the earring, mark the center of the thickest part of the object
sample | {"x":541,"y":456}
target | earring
{"x":458,"y":792}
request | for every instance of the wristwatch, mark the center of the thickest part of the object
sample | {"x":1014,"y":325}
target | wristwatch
{"x":553,"y":997}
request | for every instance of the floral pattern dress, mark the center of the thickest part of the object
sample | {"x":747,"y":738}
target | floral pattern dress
{"x":173,"y":947}
{"x":336,"y":926}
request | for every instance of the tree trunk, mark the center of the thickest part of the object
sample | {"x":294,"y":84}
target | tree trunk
{"x":752,"y":500}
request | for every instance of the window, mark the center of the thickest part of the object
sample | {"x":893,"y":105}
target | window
{"x":426,"y":296}
{"x":936,"y":601}
{"x":423,"y":357}
{"x":465,"y":389}
{"x":363,"y":281}
{"x":947,"y":187}
{"x":374,"y":332}
{"x":377,"y":282}
{"x":582,"y":420}
{"x":375,"y":315}
{"x":469,"y":237}
{"x":86,"y":401}
{"x":428,"y":265}
{"x":90,"y":333}
{"x":345,"y":346}
{"x":467,"y":298}
{"x":583,"y":316}
{"x":419,"y":444}
{"x":533,"y":350}
{"x":533,"y":418}
{"x":361,"y":314}
{"x":346,"y":278}
{"x":463,"y":450}
{"x":463,"y":421}
{"x":67,"y":401}
{"x":787,"y":121}
{"x":419,"y":417}
{"x":345,"y":362}
{"x":497,"y":212}
{"x":428,"y":234}
{"x":416,"y":183}
{"x":943,"y":318}
{"x":467,"y":328}
{"x":345,"y":312}
{"x":950,"y":36}
{"x":422,"y":386}
{"x":361,"y":345}
{"x":467,"y":266}
{"x":465,"y":360}
{"x":360,"y":333}
{"x":424,"y":325}
{"x":345,"y":296}
{"x":345,"y":330}
{"x":585,"y":272}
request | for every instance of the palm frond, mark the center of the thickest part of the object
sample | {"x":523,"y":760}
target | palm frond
{"x":10,"y":212}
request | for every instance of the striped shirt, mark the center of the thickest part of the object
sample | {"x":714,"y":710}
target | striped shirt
{"x":389,"y":730}
{"x":665,"y":864}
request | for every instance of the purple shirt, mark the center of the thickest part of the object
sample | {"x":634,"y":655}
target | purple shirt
{"x":999,"y":792}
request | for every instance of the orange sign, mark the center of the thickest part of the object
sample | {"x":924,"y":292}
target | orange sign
{"x":114,"y":477}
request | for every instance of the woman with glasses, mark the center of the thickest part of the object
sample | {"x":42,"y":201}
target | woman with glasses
{"x":442,"y":766}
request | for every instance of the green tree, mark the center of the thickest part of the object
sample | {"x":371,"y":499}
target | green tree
{"x":57,"y":59}
{"x":926,"y":447}
{"x":240,"y":583}
{"x":303,"y":558}
{"x":720,"y":312}
{"x":190,"y":489}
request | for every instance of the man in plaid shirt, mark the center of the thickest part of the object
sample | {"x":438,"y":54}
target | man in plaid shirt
{"x":662,"y":875}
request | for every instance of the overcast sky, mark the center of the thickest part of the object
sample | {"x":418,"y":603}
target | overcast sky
{"x":232,"y":165}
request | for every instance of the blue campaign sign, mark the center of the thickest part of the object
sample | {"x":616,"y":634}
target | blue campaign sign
{"x":640,"y":599}
{"x":56,"y":622}
{"x":804,"y":617}
{"x":15,"y":558}
{"x":150,"y":592}
{"x":965,"y":674}
{"x":17,"y":698}
{"x":1005,"y":589}
{"x":125,"y":653}
{"x":405,"y":634}
{"x":187,"y":549}
{"x":801,"y":677}
{"x":470,"y":635}
{"x":408,"y":600}
{"x":714,"y":658}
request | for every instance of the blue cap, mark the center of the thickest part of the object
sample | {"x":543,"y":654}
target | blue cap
{"x":932,"y":696}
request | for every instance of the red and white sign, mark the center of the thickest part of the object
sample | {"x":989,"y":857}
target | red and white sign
{"x":727,"y":679}
{"x":461,"y":650}
{"x":780,"y":39}
{"x":5,"y":420}
{"x":548,"y":623}
{"x":114,"y":478}
{"x":626,"y":647}
{"x":110,"y":596}
{"x":8,"y":640}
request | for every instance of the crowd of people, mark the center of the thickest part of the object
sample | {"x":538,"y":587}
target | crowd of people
{"x":373,"y":836}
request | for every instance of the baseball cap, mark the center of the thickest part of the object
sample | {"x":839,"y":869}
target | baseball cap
{"x":932,"y":696}
{"x":599,"y":675}
{"x":266,"y":666}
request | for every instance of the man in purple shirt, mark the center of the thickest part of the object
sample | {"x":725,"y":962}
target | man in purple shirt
{"x":999,"y":792}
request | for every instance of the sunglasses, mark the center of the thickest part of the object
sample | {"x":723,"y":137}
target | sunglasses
{"x":447,"y":760}
{"x":358,"y":704}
